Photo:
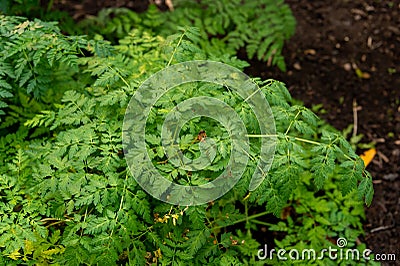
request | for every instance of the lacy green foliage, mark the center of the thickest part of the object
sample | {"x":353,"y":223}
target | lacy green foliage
{"x":69,"y":199}
{"x":312,"y":222}
{"x":36,"y":59}
{"x":32,"y":9}
{"x":260,"y":27}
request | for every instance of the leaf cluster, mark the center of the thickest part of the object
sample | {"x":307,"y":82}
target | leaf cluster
{"x":259,"y":27}
{"x":68,"y":198}
{"x":38,"y":65}
{"x":312,"y":222}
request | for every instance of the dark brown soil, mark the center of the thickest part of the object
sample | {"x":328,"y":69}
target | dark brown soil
{"x":345,"y":55}
{"x":332,"y":40}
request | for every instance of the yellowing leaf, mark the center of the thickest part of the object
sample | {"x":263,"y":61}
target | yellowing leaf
{"x":21,"y":27}
{"x":367,"y":156}
{"x":28,"y":247}
{"x":157,"y":253}
{"x":48,"y":254}
{"x":15,"y":255}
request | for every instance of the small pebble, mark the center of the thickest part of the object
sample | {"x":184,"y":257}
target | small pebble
{"x":390,"y":177}
{"x":347,"y":66}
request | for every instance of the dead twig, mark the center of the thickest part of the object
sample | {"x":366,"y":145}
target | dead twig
{"x":382,"y":228}
{"x":383,"y":156}
{"x":355,"y":117}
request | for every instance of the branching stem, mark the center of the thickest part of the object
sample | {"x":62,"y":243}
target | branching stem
{"x":176,"y":48}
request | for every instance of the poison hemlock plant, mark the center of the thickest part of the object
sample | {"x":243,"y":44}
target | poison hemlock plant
{"x":67,"y":198}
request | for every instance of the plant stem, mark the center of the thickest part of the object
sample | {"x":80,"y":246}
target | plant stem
{"x":246,"y":219}
{"x":296,"y":138}
{"x":291,"y":123}
{"x":261,"y":136}
{"x":307,"y":141}
{"x":176,"y":48}
{"x":261,"y":222}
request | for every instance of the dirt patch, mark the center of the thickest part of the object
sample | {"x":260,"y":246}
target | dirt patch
{"x":346,"y":53}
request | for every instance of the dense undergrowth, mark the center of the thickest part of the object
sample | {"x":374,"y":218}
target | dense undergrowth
{"x":67,"y":196}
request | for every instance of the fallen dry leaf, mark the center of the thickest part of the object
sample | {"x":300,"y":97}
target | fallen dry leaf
{"x":367,"y":156}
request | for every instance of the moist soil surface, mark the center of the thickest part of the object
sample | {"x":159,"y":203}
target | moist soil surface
{"x":345,"y":57}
